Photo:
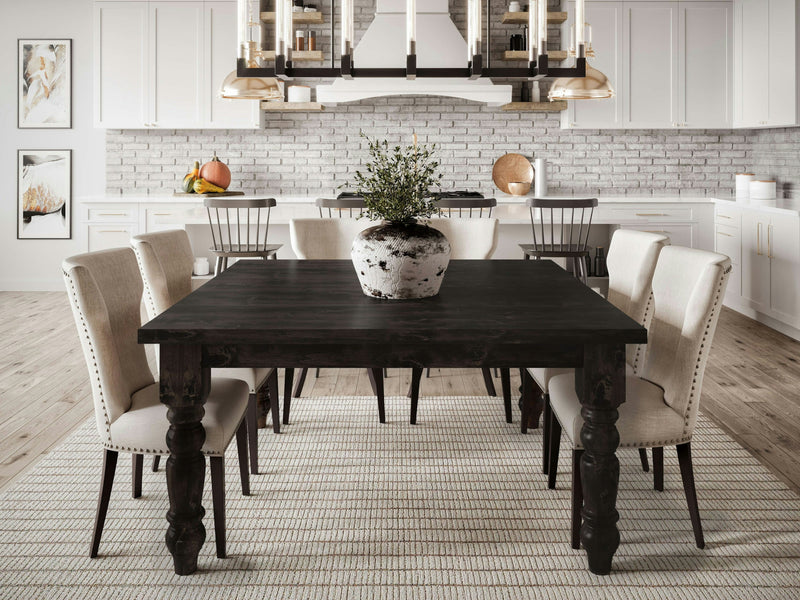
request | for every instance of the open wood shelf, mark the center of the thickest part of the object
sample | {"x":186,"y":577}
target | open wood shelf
{"x":553,"y":55}
{"x":292,"y":106}
{"x":303,"y":18}
{"x":521,"y":18}
{"x":556,"y":106}
{"x":299,"y":55}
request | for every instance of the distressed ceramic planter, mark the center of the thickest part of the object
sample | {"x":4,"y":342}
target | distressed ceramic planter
{"x":400,"y":262}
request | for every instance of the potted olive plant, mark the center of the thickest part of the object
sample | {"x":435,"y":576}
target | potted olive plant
{"x":400,"y":258}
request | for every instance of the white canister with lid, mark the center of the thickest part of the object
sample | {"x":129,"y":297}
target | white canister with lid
{"x":201,"y":266}
{"x":743,"y":185}
{"x":763,"y":190}
{"x":514,"y":7}
{"x":299,"y":93}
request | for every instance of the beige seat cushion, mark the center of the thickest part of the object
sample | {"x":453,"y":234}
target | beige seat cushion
{"x":143,"y":429}
{"x":543,"y":375}
{"x":254,"y":378}
{"x":645,"y":420}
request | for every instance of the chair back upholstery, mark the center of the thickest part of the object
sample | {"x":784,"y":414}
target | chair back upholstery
{"x":469,"y":238}
{"x":350,"y":207}
{"x":166,"y":262}
{"x":466,"y":207}
{"x":105,"y":291}
{"x":631,"y":261}
{"x":320,"y":239}
{"x":568,"y":221}
{"x":688,"y":287}
{"x":232,"y":219}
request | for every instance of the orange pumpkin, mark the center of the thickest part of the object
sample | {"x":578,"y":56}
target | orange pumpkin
{"x":217,"y":172}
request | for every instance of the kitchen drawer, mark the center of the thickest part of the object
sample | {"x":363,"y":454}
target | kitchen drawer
{"x":679,"y":235}
{"x":103,"y":237}
{"x":727,"y":215}
{"x":641,"y":214}
{"x":160,"y":219}
{"x":113,"y":214}
{"x":728,"y":242}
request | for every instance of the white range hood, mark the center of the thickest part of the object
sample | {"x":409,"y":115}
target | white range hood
{"x":439,"y":45}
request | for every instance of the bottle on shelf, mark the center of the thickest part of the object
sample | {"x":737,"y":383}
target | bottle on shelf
{"x":600,"y":269}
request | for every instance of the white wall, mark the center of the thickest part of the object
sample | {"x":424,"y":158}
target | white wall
{"x":35,"y":264}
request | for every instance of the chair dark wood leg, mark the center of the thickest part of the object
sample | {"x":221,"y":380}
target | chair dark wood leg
{"x":298,"y":388}
{"x":218,"y":498}
{"x":224,"y":263}
{"x":288,"y":380}
{"x":316,"y":373}
{"x":428,"y":373}
{"x":241,"y":448}
{"x":252,"y":431}
{"x":496,"y":373}
{"x":218,"y":266}
{"x":526,"y":402}
{"x":416,"y":378}
{"x":487,"y":381}
{"x":156,"y":461}
{"x":577,"y":499}
{"x":658,"y":469}
{"x":274,"y":401}
{"x":687,"y":475}
{"x":386,"y":372}
{"x":547,"y":432}
{"x":643,"y":458}
{"x":137,"y":462}
{"x":376,"y":379}
{"x":106,"y":483}
{"x":505,"y":381}
{"x":555,"y":443}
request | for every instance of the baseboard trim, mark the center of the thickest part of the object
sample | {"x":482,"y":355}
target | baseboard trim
{"x":770,"y":322}
{"x":32,"y":285}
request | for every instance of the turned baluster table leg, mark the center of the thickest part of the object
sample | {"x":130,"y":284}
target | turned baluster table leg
{"x":601,"y":386}
{"x":184,"y":387}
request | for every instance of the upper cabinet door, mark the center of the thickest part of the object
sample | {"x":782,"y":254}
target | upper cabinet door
{"x":782,"y":62}
{"x":120,"y":65}
{"x":752,"y":55}
{"x":705,"y":64}
{"x":221,"y":36}
{"x":176,"y":34}
{"x":650,"y":80}
{"x":605,"y":19}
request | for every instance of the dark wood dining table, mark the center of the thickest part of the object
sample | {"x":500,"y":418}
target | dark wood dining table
{"x":489,"y":313}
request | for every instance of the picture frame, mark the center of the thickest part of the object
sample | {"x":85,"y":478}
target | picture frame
{"x":44,"y":83}
{"x":44,"y":194}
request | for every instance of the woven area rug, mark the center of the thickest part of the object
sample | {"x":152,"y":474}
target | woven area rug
{"x":454,"y":507}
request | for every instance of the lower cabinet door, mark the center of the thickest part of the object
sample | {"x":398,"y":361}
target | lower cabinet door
{"x":109,"y":235}
{"x":755,"y":261}
{"x":783,"y":248}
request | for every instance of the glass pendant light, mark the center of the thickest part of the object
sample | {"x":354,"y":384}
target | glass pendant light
{"x":595,"y":85}
{"x":249,"y":88}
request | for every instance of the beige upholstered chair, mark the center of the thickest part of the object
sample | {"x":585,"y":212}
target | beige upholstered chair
{"x":327,"y":239}
{"x":662,"y":400}
{"x":165,"y":260}
{"x":105,"y":291}
{"x":632,"y":258}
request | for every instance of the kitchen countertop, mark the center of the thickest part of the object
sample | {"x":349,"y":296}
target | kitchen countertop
{"x":779,"y":205}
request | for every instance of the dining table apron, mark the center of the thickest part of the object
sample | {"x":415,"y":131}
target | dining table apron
{"x":308,"y":313}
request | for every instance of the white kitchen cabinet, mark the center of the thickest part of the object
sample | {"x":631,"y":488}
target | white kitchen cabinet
{"x":606,"y":21}
{"x":649,"y":85}
{"x":705,"y":64}
{"x":767,"y":41}
{"x":159,"y":64}
{"x":670,"y":63}
{"x":755,"y":262}
{"x":121,"y":93}
{"x":783,"y":250}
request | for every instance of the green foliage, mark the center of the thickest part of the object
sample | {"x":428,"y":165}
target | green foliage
{"x":396,"y":186}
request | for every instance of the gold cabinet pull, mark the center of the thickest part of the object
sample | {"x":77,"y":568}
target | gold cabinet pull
{"x":758,"y":240}
{"x":113,"y":231}
{"x":652,"y":215}
{"x":769,"y":242}
{"x":724,"y":216}
{"x":122,"y":214}
{"x":723,"y":233}
{"x":162,"y":214}
{"x":655,"y":231}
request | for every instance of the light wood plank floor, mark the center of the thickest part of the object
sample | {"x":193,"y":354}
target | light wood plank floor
{"x":750,"y":390}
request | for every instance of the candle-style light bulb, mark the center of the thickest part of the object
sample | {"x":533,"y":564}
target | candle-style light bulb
{"x":345,"y":28}
{"x":580,"y":25}
{"x":533,"y":29}
{"x":542,"y":23}
{"x":278,"y":27}
{"x":411,"y":26}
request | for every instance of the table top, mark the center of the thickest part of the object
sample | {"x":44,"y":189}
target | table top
{"x":321,"y":302}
